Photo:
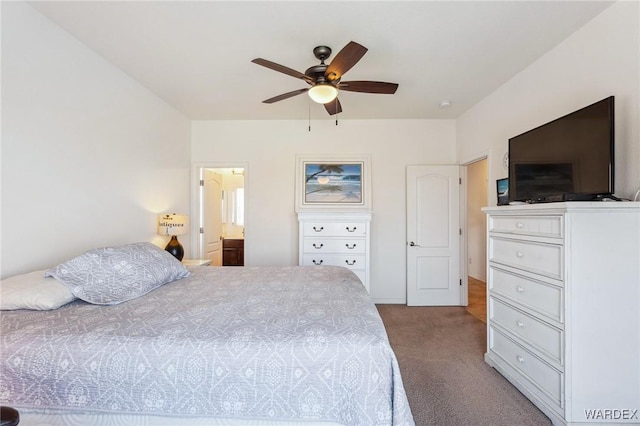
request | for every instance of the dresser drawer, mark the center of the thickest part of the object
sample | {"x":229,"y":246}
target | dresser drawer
{"x":356,"y":261}
{"x":334,"y":229}
{"x":540,"y":374}
{"x":334,"y":245}
{"x":543,"y":298}
{"x":543,"y":337}
{"x":541,"y":226}
{"x":540,"y":258}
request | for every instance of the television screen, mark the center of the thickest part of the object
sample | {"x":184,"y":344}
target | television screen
{"x":570,"y":158}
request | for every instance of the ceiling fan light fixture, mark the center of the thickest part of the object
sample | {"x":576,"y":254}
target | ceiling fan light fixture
{"x":323,"y":93}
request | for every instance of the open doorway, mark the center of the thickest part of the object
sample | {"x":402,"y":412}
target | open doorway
{"x":221,"y":237}
{"x":476,"y":238}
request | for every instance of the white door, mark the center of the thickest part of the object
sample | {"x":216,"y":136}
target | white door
{"x":433,"y":236}
{"x":211,"y":238}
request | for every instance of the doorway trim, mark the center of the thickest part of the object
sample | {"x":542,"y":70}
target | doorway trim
{"x":464,"y":250}
{"x":196,"y":208}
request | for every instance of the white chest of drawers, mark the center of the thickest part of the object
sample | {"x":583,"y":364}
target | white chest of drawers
{"x":337,"y":239}
{"x":563,"y":298}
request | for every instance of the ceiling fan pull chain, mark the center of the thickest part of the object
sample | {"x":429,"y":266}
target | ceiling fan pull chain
{"x":337,"y":113}
{"x":309,"y":104}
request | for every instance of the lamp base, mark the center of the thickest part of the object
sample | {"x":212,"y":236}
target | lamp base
{"x":175,"y":248}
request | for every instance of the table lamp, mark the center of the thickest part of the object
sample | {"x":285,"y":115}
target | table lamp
{"x":174,"y":225}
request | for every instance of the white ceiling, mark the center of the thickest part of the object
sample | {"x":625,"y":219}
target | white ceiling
{"x":197,"y":55}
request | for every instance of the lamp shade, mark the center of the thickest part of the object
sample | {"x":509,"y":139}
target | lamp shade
{"x":323,"y":93}
{"x":173,"y":224}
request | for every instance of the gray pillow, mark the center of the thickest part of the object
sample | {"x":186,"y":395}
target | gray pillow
{"x":112,"y":275}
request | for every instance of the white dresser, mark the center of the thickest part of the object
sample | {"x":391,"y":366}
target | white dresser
{"x":563,"y":307}
{"x":338,"y":239}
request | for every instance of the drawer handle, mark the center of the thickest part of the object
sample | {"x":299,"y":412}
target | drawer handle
{"x":318,"y":229}
{"x":350,"y":263}
{"x":519,"y":225}
{"x":352,"y":246}
{"x":519,"y":254}
{"x":318,"y":247}
{"x":351,"y":229}
{"x":520,"y":359}
{"x":317,"y":263}
{"x":520,"y":289}
{"x":520,"y":324}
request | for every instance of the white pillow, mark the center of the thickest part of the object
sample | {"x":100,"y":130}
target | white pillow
{"x":112,"y":275}
{"x":33,"y":291}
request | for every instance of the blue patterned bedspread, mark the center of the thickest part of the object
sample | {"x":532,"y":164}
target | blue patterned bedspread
{"x":278,"y":343}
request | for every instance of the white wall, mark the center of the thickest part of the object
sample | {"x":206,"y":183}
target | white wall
{"x":89,"y":156}
{"x":270,"y":147}
{"x":599,"y":60}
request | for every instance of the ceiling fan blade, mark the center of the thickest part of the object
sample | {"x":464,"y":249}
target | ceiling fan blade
{"x":333,"y":107}
{"x":282,"y":69}
{"x":285,"y":96}
{"x":344,"y":60}
{"x":368,"y":87}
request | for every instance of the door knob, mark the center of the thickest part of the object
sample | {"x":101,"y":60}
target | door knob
{"x":412,"y":244}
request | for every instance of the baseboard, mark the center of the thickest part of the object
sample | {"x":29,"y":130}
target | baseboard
{"x":384,"y":301}
{"x":483,"y":279}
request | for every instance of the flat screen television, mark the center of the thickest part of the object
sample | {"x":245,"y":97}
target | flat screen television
{"x":568,"y":159}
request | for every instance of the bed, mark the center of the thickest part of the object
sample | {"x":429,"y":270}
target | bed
{"x":250,"y":345}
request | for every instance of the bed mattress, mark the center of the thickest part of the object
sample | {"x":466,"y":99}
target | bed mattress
{"x":256,"y":343}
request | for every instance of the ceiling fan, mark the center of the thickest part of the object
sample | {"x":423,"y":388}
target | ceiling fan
{"x":324,"y":79}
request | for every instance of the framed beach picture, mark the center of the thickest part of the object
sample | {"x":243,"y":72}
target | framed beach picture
{"x":333,"y":182}
{"x":502,"y":188}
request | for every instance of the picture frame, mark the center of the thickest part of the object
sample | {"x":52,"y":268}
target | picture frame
{"x":333,"y":182}
{"x":502,"y":189}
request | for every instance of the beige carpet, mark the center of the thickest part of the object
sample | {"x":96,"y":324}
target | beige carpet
{"x":440,"y":351}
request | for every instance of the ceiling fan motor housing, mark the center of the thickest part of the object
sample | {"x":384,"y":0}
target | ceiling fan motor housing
{"x":316,"y":72}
